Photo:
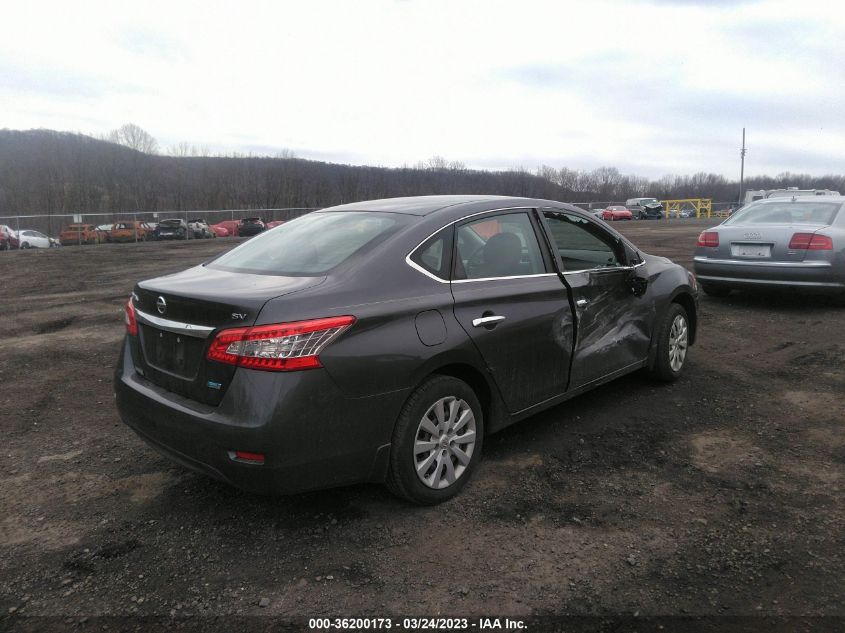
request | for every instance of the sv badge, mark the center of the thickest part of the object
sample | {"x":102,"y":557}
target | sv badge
{"x":239,"y":315}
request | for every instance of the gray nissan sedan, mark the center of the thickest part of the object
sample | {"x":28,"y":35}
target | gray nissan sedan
{"x":384,"y":340}
{"x":794,"y":242}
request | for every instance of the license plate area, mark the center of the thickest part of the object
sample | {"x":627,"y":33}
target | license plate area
{"x":175,"y":354}
{"x":751,"y":250}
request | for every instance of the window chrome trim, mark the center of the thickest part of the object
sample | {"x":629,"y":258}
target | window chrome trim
{"x":747,"y":262}
{"x":603,"y":270}
{"x":430,"y":275}
{"x":466,"y":281}
{"x":177,"y":327}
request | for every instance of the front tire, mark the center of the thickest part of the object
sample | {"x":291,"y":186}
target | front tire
{"x":437,"y":441}
{"x":672,"y":344}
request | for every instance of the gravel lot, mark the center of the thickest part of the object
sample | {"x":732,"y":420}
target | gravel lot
{"x":721,"y":494}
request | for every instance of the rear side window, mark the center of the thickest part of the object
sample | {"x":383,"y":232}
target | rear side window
{"x":582,"y":244}
{"x":312,"y":244}
{"x":435,"y":254}
{"x":500,"y":246}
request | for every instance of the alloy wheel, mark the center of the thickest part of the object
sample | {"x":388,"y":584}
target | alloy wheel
{"x":444,"y":442}
{"x":678,"y":343}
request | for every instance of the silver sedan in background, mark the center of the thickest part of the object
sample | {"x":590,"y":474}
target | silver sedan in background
{"x":794,"y":242}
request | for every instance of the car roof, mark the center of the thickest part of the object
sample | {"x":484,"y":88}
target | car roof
{"x":426,"y":205}
{"x":804,"y":198}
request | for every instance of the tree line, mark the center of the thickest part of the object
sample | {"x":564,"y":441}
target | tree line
{"x":49,"y":172}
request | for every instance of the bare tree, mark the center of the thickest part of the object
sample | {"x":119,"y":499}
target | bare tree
{"x":134,"y":137}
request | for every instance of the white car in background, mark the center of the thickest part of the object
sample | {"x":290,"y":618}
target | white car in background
{"x":27,"y":238}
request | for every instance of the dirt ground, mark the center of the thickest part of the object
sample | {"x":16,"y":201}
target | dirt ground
{"x":721,"y":494}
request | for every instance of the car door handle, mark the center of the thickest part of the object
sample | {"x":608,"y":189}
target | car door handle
{"x":487,"y":320}
{"x":581,"y":303}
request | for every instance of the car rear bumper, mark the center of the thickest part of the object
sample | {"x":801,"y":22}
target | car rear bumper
{"x":311,"y":434}
{"x":814,"y":274}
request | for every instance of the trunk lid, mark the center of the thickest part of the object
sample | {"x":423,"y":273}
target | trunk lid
{"x":761,"y":241}
{"x":173,"y":356}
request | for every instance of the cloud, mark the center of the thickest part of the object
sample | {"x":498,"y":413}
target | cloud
{"x":146,"y":41}
{"x":650,"y":87}
{"x":63,"y":83}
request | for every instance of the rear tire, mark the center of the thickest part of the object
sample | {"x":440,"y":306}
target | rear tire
{"x":715,"y":290}
{"x":672,"y":344}
{"x":24,"y":244}
{"x":429,"y":463}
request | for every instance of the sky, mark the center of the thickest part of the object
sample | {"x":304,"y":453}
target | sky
{"x":652,"y":88}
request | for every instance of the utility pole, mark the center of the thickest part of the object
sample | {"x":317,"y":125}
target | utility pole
{"x":742,"y":166}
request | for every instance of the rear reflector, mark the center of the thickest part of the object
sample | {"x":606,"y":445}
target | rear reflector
{"x":246,"y":456}
{"x":810,"y":242}
{"x":279,"y":347}
{"x":708,"y":238}
{"x":131,"y":322}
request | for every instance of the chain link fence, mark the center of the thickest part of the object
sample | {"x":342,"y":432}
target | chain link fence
{"x":52,"y":224}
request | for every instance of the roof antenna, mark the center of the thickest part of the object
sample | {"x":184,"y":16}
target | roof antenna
{"x":742,"y":166}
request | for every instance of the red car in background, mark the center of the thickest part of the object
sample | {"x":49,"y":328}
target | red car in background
{"x":274,"y":224}
{"x":230,"y":226}
{"x":8,"y":238}
{"x":616,"y":212}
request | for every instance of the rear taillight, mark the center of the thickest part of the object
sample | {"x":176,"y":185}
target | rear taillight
{"x":810,"y":242}
{"x":280,"y":347}
{"x":247,"y":456}
{"x":131,"y":321}
{"x":709,"y":239}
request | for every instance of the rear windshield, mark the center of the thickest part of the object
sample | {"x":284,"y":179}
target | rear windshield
{"x":312,"y":244}
{"x":797,"y":212}
{"x":166,"y":223}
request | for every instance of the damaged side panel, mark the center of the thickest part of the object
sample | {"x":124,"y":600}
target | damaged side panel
{"x":614,"y":326}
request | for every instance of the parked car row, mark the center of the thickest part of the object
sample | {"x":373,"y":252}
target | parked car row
{"x":25,"y":238}
{"x":633,"y":209}
{"x":639,"y":209}
{"x":133,"y":231}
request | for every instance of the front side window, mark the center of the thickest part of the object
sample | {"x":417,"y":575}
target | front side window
{"x":500,"y":246}
{"x":582,"y":244}
{"x":312,"y":244}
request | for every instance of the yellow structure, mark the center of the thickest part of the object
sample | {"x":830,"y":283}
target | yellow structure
{"x":703,"y":207}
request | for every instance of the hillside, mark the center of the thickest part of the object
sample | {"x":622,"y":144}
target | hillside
{"x":49,"y":172}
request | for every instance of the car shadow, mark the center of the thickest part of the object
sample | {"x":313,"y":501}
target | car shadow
{"x":782,"y":300}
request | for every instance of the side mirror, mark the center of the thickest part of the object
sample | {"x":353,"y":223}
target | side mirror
{"x":637,"y":284}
